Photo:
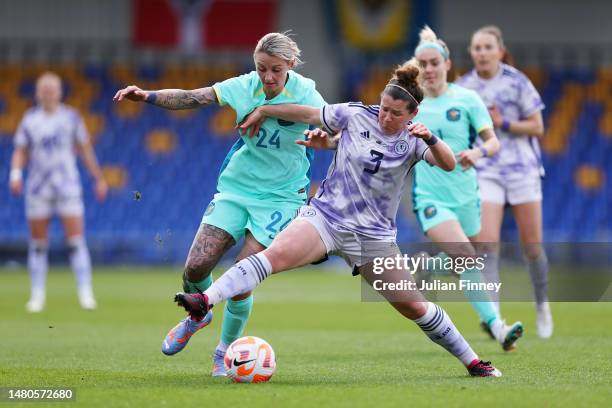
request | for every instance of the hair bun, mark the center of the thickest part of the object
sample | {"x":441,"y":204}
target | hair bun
{"x":407,"y":73}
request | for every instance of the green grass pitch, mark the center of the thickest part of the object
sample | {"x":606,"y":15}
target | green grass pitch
{"x":332,"y":349}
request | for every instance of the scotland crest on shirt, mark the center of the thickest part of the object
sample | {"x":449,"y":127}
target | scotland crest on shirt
{"x":401,"y":147}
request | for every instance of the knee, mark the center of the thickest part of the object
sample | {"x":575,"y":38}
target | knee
{"x":487,"y":247}
{"x":532,"y":252}
{"x":276,"y":255}
{"x":412,"y":310}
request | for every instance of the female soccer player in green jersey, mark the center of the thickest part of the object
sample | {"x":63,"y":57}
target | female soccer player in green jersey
{"x":262,"y":183}
{"x":447,"y":205}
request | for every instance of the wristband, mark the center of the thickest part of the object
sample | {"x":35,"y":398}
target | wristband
{"x":16,"y":174}
{"x":483,"y":151}
{"x":151,"y":97}
{"x":505,"y":126}
{"x":431,"y":141}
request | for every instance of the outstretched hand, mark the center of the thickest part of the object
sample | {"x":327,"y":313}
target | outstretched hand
{"x":496,"y":116}
{"x":101,"y":189}
{"x":16,"y":187}
{"x":132,"y":92}
{"x":316,"y":139}
{"x":251,"y":123}
{"x":468,"y":158}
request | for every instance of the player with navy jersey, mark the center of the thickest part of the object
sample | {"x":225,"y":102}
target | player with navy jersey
{"x":46,"y":140}
{"x":513,"y":176}
{"x":262,"y":183}
{"x":447,"y":205}
{"x":353,"y":212}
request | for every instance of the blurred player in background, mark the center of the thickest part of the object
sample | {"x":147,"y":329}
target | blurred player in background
{"x":46,"y":140}
{"x":447,"y":205}
{"x":354,"y":210}
{"x":262,"y":183}
{"x":513,"y":176}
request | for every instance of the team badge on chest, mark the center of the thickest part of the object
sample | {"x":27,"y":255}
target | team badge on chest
{"x":453,"y":114}
{"x":401,"y":147}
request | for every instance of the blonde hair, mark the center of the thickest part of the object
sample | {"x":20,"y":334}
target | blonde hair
{"x":428,"y":36}
{"x":429,"y":39}
{"x":495,"y":31}
{"x":280,"y":45}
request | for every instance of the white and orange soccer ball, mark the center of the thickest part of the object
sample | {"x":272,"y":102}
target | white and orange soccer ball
{"x":250,"y":360}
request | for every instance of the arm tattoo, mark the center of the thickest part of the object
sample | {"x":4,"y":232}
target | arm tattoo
{"x":181,"y":99}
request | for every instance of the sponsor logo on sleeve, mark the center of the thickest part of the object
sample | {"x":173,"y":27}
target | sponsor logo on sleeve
{"x":430,"y":211}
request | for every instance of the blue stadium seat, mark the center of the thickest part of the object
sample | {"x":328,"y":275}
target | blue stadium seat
{"x":176,"y":188}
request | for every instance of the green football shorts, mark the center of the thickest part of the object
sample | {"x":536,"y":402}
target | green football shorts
{"x":263,"y":218}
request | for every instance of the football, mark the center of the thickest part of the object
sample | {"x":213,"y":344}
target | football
{"x":250,"y":360}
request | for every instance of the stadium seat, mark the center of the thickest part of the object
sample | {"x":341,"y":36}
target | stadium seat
{"x":163,"y":166}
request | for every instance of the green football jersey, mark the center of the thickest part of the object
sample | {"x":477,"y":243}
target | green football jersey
{"x":270,"y":165}
{"x":457,"y":117}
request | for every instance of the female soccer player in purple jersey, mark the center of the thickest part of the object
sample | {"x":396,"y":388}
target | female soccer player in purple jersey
{"x":45,"y":140}
{"x":353,"y":212}
{"x":513,"y":176}
{"x":447,"y":205}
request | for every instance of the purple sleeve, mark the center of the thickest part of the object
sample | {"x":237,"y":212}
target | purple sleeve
{"x":335,"y":117}
{"x":21,"y":138}
{"x":461,"y":81}
{"x":530,"y":101}
{"x":420,"y":147}
{"x":464,"y":80}
{"x":80,"y":131}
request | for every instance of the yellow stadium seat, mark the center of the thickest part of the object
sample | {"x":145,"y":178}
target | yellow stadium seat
{"x":535,"y":75}
{"x":94,"y":123}
{"x":563,"y":118}
{"x":128,"y":109}
{"x":115,"y":176}
{"x":161,"y":141}
{"x":223,"y":121}
{"x":9,"y":123}
{"x":589,"y":177}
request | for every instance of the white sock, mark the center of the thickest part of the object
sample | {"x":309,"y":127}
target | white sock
{"x":80,"y":262}
{"x":491,"y":275}
{"x":240,"y":278}
{"x":38,"y":265}
{"x":498,"y":327}
{"x":538,"y":272}
{"x":440,"y":329}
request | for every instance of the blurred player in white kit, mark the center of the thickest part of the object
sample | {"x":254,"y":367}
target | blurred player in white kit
{"x":46,"y":140}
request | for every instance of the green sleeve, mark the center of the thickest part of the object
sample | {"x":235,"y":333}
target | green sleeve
{"x":232,"y":91}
